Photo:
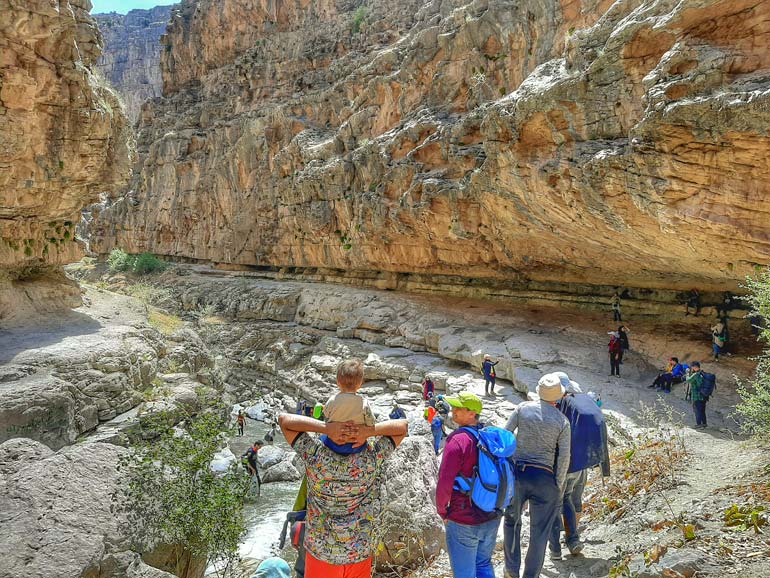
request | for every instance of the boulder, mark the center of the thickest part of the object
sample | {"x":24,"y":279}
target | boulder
{"x":283,"y":471}
{"x":56,"y":521}
{"x":409,"y":527}
{"x":269,"y":456}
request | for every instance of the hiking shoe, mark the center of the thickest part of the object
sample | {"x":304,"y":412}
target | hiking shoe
{"x":575,"y":549}
{"x":554,"y":555}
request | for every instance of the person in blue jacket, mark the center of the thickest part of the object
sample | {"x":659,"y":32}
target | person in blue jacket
{"x":397,"y":412}
{"x":588,"y":443}
{"x":488,"y":369}
{"x":437,"y":429}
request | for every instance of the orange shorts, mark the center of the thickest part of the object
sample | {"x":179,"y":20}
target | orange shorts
{"x":315,"y":568}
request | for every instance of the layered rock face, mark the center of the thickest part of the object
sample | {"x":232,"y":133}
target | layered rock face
{"x":589,"y":142}
{"x":131,"y":57}
{"x":63,"y":141}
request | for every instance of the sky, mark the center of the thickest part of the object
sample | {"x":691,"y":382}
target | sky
{"x":123,"y":6}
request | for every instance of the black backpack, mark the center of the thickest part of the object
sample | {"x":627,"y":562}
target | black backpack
{"x":709,"y":384}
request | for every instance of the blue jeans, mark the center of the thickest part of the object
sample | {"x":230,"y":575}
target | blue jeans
{"x":538,"y":487}
{"x":437,"y":435}
{"x":470,"y":548}
{"x":571,"y":507}
{"x":699,"y":408}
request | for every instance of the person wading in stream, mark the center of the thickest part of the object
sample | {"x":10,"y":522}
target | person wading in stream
{"x":249,"y":460}
{"x":542,"y":460}
{"x":342,"y":504}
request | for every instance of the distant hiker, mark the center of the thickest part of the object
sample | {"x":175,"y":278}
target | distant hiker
{"x":273,"y":568}
{"x":588,"y":449}
{"x":241,"y":421}
{"x":726,"y":305}
{"x":616,"y":353}
{"x":696,"y":396}
{"x":301,"y":405}
{"x":442,"y":407}
{"x":348,"y":406}
{"x":427,"y":388}
{"x":488,"y":369}
{"x":431,"y":400}
{"x":542,"y":462}
{"x":470,"y":532}
{"x":270,"y":435}
{"x":615,"y":305}
{"x":318,"y":410}
{"x":249,"y":460}
{"x":309,"y":410}
{"x":343,"y":505}
{"x":437,"y":429}
{"x":429,"y":413}
{"x":623,"y":332}
{"x":693,"y":301}
{"x":674,"y":373}
{"x":718,"y":338}
{"x":397,"y":412}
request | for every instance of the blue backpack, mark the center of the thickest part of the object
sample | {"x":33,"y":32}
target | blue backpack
{"x":491,"y":486}
{"x":708,"y":385}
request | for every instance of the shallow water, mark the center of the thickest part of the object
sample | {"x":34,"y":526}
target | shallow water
{"x":266,"y":514}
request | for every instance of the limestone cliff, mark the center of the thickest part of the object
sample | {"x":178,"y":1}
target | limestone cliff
{"x":62,"y":142}
{"x":131,"y":57}
{"x":586,"y":141}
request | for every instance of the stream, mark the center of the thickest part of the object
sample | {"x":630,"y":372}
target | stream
{"x":265,"y":515}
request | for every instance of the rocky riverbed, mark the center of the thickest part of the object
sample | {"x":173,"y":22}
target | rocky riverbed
{"x":252,"y":340}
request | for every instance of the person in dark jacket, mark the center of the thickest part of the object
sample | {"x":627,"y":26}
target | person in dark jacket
{"x":588,"y":449}
{"x":675,"y":373}
{"x":397,"y":412}
{"x":488,"y":369}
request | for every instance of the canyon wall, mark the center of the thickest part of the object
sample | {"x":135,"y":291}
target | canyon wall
{"x":63,"y":141}
{"x":589,"y":142}
{"x":131,"y":57}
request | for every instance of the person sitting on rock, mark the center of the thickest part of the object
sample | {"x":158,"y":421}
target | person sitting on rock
{"x":347,"y":405}
{"x":343,"y":503}
{"x":674,"y":373}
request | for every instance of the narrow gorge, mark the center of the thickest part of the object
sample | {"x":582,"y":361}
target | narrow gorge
{"x":205,"y":207}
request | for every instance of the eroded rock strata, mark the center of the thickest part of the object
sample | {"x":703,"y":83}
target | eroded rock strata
{"x":592,"y":142}
{"x":131,"y":57}
{"x":63,"y":141}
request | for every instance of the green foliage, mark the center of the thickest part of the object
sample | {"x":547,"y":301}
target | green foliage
{"x":120,"y":261}
{"x":745,"y":517}
{"x":358,"y":18}
{"x":148,"y":263}
{"x":172,"y":496}
{"x":755,"y":396}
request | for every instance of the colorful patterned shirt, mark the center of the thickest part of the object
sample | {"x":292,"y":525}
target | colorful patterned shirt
{"x":343,"y":503}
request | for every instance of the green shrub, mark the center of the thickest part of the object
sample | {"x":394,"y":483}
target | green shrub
{"x":358,"y":19}
{"x":142,"y":264}
{"x":148,"y":263}
{"x":173,"y":497}
{"x":118,"y":260}
{"x":755,"y":396}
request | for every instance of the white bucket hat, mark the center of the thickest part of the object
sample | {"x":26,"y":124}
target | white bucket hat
{"x":549,"y":388}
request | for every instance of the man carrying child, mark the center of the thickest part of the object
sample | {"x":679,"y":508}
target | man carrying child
{"x":343,"y":487}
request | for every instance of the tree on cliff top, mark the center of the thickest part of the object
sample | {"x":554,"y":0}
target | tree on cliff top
{"x":755,"y":396}
{"x":173,"y":498}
